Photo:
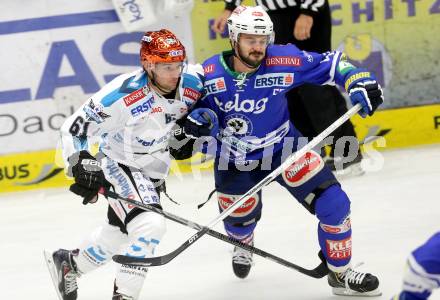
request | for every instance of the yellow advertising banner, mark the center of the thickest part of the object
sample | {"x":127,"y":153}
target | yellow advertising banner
{"x":401,"y":127}
{"x":32,"y":170}
{"x":42,"y":169}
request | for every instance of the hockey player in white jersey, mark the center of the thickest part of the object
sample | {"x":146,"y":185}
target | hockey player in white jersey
{"x":133,"y":116}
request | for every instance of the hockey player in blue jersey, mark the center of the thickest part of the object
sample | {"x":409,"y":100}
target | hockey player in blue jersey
{"x":422,"y":274}
{"x":244,"y":107}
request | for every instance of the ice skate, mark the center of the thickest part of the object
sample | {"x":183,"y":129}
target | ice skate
{"x":354,"y":283}
{"x":242,"y":261}
{"x":62,"y":269}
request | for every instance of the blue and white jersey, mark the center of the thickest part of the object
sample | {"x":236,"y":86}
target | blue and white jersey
{"x":252,"y":107}
{"x":422,"y":274}
{"x":131,"y":120}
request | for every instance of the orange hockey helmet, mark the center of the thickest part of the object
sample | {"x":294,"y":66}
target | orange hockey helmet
{"x":161,"y":47}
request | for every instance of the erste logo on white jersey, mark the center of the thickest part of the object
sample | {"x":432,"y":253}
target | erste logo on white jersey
{"x":142,"y":108}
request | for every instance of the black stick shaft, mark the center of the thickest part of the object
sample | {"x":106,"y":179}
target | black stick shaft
{"x":317,"y":272}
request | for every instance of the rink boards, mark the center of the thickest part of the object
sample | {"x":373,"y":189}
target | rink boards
{"x":399,"y":128}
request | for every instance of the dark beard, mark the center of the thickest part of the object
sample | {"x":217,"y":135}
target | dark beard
{"x":249,"y":61}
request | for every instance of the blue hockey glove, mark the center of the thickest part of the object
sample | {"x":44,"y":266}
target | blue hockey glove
{"x":363,"y":88}
{"x":201,"y":122}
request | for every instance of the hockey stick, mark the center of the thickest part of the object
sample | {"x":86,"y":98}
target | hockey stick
{"x":318,"y":272}
{"x":161,"y":260}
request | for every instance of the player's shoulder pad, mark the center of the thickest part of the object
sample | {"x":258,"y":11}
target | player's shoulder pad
{"x":192,"y":77}
{"x":215,"y":59}
{"x":121,"y":87}
{"x":288,"y":49}
{"x":212,"y":66}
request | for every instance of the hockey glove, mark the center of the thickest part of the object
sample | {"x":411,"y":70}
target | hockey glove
{"x":201,"y":122}
{"x":89,"y":177}
{"x":180,"y":145}
{"x":363,"y":88}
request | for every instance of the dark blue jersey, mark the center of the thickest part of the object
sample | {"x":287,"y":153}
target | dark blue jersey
{"x":252,"y":108}
{"x":422,"y":274}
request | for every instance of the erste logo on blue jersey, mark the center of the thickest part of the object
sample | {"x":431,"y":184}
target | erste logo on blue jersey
{"x":215,"y":85}
{"x":274,"y":79}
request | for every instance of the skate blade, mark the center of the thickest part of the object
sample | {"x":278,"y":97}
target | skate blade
{"x":52,"y":271}
{"x":348,"y":292}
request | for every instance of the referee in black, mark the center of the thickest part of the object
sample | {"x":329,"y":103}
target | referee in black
{"x":312,"y":108}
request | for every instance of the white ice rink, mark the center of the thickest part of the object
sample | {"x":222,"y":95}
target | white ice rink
{"x":393,"y":211}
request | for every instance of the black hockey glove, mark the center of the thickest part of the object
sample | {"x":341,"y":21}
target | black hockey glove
{"x":180,"y":145}
{"x":89,"y":178}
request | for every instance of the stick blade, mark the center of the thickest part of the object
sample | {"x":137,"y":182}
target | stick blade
{"x":138,"y":261}
{"x":320,"y":271}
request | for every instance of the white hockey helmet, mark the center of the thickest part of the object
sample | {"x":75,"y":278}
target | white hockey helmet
{"x":250,"y":20}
